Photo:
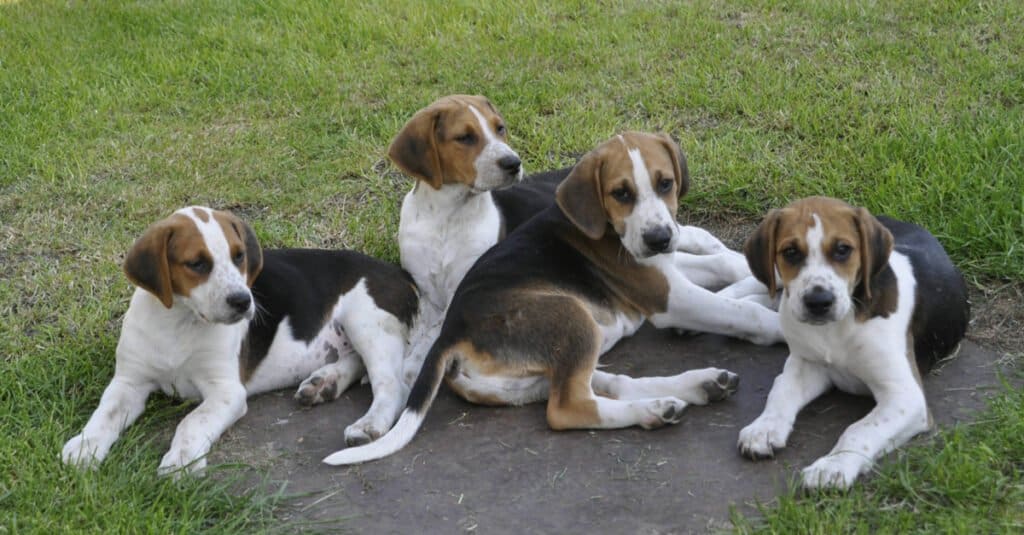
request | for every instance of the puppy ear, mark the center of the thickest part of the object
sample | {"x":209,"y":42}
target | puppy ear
{"x":579,"y":196}
{"x":253,"y":251}
{"x":760,"y":251}
{"x":414,"y":149}
{"x":876,"y":243}
{"x":146,"y":264}
{"x":679,"y":162}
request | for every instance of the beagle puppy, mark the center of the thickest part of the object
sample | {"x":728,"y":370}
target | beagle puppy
{"x":196,"y":329}
{"x":532,"y":316}
{"x":457,"y":151}
{"x":867,"y":305}
{"x":469,"y":193}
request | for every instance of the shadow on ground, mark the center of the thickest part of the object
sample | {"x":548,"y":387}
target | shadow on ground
{"x":501,"y":470}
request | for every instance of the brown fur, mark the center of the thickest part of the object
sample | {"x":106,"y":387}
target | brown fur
{"x":428,"y":146}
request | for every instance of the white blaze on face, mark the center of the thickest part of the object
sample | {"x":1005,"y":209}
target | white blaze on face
{"x":649,"y":209}
{"x":489,"y":175}
{"x":817,"y":271}
{"x":209,"y":299}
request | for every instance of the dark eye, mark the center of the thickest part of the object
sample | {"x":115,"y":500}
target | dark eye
{"x":469,"y":138}
{"x":841,"y":252}
{"x":623,"y":195}
{"x":792,"y":255}
{"x":238,"y":257}
{"x":500,"y":130}
{"x":199,"y":265}
{"x":665,"y":185}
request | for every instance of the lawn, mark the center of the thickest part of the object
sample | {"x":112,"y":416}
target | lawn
{"x":113,"y":114}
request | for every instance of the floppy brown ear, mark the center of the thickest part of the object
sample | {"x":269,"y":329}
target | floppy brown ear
{"x":679,"y":163}
{"x":760,"y":251}
{"x":414,"y":149}
{"x":876,"y":243}
{"x":146,"y":264}
{"x":579,"y":196}
{"x":253,"y":254}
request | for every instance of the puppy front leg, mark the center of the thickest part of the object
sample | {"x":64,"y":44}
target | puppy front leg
{"x":223,"y":404}
{"x":799,"y":383}
{"x":901,"y":412}
{"x":694,"y":308}
{"x":695,"y":240}
{"x":712,"y":271}
{"x":121,"y":404}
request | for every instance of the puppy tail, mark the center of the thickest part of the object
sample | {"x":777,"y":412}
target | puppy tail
{"x":424,"y":390}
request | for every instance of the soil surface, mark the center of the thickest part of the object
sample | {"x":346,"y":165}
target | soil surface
{"x":501,"y":470}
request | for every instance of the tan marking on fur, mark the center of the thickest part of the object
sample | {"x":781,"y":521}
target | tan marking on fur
{"x":571,"y":404}
{"x":426,"y":147}
{"x":155,"y":261}
{"x":201,"y":214}
{"x":585,"y":196}
{"x":236,"y":232}
{"x":633,"y":288}
{"x":483,"y":363}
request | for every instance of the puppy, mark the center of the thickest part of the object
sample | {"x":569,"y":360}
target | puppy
{"x":866,"y":304}
{"x":195,"y":329}
{"x":469,"y":194}
{"x":532,"y":316}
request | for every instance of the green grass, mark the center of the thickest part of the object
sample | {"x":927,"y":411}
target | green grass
{"x":113,"y":114}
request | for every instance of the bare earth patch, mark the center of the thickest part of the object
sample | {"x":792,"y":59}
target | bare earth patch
{"x":482,"y":469}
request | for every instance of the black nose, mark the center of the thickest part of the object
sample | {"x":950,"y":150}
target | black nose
{"x":239,"y":301}
{"x":657,"y":239}
{"x":818,"y":301}
{"x":510,"y":164}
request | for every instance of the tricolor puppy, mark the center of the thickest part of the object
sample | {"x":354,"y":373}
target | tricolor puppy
{"x":457,"y":150}
{"x":532,"y":316}
{"x":195,"y":329}
{"x":469,"y":194}
{"x":868,"y":303}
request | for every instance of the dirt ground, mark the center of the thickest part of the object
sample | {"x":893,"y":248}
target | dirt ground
{"x":501,"y":470}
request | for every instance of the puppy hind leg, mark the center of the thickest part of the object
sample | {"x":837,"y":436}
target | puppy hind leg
{"x":697,"y":387}
{"x":343,"y":368}
{"x":379,"y":338}
{"x":573,"y":405}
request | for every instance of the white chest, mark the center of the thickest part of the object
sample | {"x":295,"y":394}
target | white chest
{"x":441,"y":234}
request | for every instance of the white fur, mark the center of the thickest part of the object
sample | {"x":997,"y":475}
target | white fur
{"x":817,"y":272}
{"x":649,"y":210}
{"x":868,"y":358}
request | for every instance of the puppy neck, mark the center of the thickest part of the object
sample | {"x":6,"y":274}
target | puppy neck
{"x":449,"y":198}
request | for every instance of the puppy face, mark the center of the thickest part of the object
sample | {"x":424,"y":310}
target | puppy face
{"x":824,"y":251}
{"x":459,"y":139}
{"x":632,"y":183}
{"x":199,"y":258}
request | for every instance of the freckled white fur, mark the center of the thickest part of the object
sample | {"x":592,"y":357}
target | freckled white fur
{"x":181,"y":353}
{"x":867,"y":358}
{"x":649,"y":210}
{"x":817,"y":271}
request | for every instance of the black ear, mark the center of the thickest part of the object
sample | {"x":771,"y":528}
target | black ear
{"x":760,"y":251}
{"x":414,"y":149}
{"x":579,"y":196}
{"x":679,"y":162}
{"x":146,"y":264}
{"x":876,"y":243}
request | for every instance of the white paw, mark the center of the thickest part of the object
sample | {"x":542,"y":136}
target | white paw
{"x":664,"y":411}
{"x":762,"y":437}
{"x":77,"y":452}
{"x":735,"y":265}
{"x":364,"y":431}
{"x":772,"y":334}
{"x":180,"y":461}
{"x":409,"y":375}
{"x":318,"y":388}
{"x":837,"y":471}
{"x":712,"y":384}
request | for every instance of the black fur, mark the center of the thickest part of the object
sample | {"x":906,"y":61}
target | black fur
{"x":304,"y":284}
{"x":522,"y":201}
{"x":942,"y":311}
